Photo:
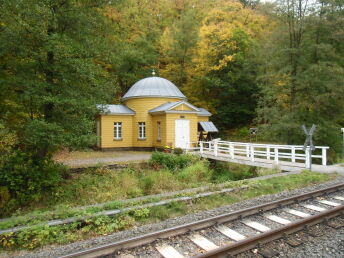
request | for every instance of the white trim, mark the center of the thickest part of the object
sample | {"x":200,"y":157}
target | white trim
{"x":158,"y":123}
{"x":180,"y":111}
{"x":117,"y":130}
{"x":142,"y":130}
{"x":186,"y":103}
{"x":117,"y":114}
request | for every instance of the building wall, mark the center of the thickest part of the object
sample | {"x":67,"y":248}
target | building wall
{"x":130,"y":125}
{"x":170,"y":125}
{"x":203,"y":118}
{"x":162,"y":120}
{"x":107,"y":131}
{"x":141,"y":107}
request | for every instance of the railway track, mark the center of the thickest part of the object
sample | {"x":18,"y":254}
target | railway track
{"x":231,"y":233}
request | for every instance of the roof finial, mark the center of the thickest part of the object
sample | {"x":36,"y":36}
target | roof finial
{"x":153,"y":72}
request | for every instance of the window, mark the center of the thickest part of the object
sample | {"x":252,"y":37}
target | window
{"x":142,"y":130}
{"x":159,"y":130}
{"x":117,"y":130}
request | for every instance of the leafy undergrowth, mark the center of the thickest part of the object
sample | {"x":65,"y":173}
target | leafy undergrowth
{"x":44,"y":235}
{"x":165,"y":173}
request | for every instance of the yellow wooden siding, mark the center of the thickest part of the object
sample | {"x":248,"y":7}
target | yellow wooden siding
{"x":203,"y":118}
{"x":183,"y":107}
{"x":162,"y":120}
{"x":141,"y":107}
{"x":107,"y":131}
{"x":170,"y":124}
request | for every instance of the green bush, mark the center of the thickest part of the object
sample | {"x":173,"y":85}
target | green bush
{"x":172,"y":161}
{"x":224,"y":171}
{"x":178,"y":151}
{"x":26,"y":178}
{"x":195,"y":173}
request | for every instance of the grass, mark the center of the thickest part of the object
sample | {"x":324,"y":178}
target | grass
{"x":38,"y":236}
{"x":104,"y":185}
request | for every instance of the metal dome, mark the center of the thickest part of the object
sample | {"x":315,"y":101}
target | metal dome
{"x":153,"y":87}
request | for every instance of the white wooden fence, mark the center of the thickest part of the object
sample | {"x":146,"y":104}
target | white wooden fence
{"x":274,"y":152}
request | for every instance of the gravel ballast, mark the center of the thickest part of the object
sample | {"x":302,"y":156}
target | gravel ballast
{"x":329,"y":244}
{"x":81,"y":245}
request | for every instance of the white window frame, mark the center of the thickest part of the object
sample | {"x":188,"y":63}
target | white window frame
{"x":117,"y":126}
{"x":142,"y":130}
{"x":159,"y":130}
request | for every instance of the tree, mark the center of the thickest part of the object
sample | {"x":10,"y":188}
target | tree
{"x":177,"y":45}
{"x":52,"y":72}
{"x":302,"y":73}
{"x":223,"y":76}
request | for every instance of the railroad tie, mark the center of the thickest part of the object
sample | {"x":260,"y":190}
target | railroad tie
{"x":278,"y":219}
{"x":203,"y":242}
{"x":168,"y":251}
{"x":313,"y":207}
{"x":257,"y":226}
{"x":298,"y":213}
{"x":329,"y":203}
{"x":339,"y":198}
{"x":230,"y":233}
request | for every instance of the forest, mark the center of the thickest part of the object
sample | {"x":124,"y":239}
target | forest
{"x":271,"y":65}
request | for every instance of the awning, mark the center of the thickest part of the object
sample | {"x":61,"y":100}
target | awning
{"x":207,"y":127}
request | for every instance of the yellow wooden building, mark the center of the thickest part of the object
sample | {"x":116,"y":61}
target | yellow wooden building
{"x":154,"y":114}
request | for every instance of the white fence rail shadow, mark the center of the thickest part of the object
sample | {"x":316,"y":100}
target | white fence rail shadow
{"x":252,"y":151}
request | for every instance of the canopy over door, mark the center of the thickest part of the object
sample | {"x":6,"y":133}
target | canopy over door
{"x":207,"y":127}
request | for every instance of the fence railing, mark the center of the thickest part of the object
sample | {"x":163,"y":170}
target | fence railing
{"x":277,"y":153}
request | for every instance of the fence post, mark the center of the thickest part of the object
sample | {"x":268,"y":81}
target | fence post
{"x":247,"y":150}
{"x":293,"y":154}
{"x":201,"y":147}
{"x":268,"y":152}
{"x":231,"y":148}
{"x":308,"y":164}
{"x":324,"y":156}
{"x":276,"y":155}
{"x":252,"y":153}
{"x":215,"y":148}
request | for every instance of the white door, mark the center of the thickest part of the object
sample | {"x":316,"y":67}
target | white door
{"x":182,"y":129}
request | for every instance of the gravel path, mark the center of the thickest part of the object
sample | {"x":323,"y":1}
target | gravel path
{"x":71,"y":248}
{"x":122,"y":157}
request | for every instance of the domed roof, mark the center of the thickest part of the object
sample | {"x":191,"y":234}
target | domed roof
{"x":154,"y":87}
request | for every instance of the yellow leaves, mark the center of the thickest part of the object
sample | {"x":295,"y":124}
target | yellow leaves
{"x":6,"y":240}
{"x":217,"y":45}
{"x":223,"y":62}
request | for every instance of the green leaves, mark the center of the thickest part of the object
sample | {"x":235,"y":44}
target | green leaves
{"x":301,"y":77}
{"x":50,"y":56}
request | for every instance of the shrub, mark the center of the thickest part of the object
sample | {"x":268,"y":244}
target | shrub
{"x":172,"y":161}
{"x":196,"y":173}
{"x":178,"y":151}
{"x":26,"y":178}
{"x":230,"y":172}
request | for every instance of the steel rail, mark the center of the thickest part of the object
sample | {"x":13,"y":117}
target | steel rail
{"x":108,"y":249}
{"x":252,"y":242}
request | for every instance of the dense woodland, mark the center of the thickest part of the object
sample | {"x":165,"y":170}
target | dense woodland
{"x":272,"y":65}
